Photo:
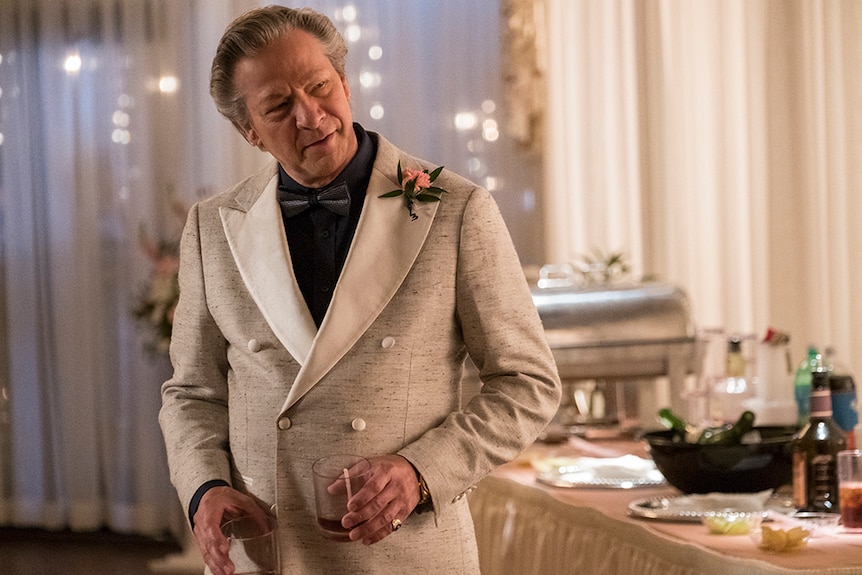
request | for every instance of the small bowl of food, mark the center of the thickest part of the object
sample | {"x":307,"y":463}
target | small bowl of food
{"x":731,"y":521}
{"x":819,"y":524}
{"x":781,"y":538}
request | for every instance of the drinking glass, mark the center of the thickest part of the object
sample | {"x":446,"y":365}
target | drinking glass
{"x":253,"y":545}
{"x":850,"y":489}
{"x":336,"y":479}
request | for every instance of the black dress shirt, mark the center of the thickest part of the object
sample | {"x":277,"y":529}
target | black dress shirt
{"x":319,"y":239}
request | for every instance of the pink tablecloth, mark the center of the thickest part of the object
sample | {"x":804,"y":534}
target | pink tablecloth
{"x":524,"y":527}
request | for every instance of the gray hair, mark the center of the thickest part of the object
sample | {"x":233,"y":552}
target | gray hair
{"x":252,"y":32}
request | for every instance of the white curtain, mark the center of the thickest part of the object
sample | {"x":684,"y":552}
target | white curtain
{"x":105,"y":124}
{"x":718,"y":144}
{"x":92,"y":151}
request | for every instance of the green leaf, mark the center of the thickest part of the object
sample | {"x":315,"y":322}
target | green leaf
{"x":392,"y":194}
{"x":427,"y":198}
{"x":400,"y":177}
{"x":433,"y":175}
{"x":437,"y":190}
{"x":410,"y":187}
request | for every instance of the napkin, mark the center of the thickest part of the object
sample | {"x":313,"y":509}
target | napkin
{"x":727,"y":501}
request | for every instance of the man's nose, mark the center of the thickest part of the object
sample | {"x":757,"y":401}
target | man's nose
{"x":308,"y":113}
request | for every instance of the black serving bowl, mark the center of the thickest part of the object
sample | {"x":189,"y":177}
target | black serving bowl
{"x":746,"y":468}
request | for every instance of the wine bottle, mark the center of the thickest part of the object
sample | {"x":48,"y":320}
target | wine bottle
{"x":815,"y":451}
{"x":682,"y":430}
{"x":731,"y":435}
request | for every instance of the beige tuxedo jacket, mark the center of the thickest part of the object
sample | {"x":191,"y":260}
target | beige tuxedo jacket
{"x":259,"y":393}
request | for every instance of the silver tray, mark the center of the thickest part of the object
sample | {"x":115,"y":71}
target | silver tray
{"x":679,"y":508}
{"x":577,"y":481}
{"x":599,"y":473}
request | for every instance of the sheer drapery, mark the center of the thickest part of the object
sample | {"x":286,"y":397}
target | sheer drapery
{"x":93,"y":149}
{"x":106,"y":120}
{"x":718,"y":144}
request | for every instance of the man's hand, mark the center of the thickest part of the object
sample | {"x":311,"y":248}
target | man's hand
{"x":391,"y":492}
{"x":218,"y":505}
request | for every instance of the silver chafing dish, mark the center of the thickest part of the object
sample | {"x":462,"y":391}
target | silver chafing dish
{"x":611,"y":339}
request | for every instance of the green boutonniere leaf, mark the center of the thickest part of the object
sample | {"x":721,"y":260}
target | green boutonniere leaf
{"x":433,"y":175}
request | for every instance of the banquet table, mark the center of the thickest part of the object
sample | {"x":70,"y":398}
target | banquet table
{"x":525,"y":527}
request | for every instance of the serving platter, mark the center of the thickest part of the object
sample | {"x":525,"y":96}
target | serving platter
{"x":626,"y":472}
{"x":684,"y":508}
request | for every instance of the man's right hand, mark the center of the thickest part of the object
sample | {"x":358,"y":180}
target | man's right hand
{"x":218,"y":505}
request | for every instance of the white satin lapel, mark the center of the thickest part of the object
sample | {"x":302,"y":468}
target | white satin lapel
{"x":259,"y":246}
{"x":384,"y":248}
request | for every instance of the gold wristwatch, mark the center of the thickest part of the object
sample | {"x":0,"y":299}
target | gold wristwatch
{"x":424,"y":495}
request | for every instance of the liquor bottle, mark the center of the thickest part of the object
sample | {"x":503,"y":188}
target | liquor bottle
{"x":734,"y":362}
{"x":815,"y":451}
{"x":843,"y":390}
{"x":730,"y":393}
{"x":802,"y":384}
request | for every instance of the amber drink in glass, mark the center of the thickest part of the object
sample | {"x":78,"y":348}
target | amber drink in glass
{"x":850,"y":489}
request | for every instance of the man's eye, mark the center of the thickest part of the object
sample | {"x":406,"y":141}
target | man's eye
{"x":279,"y":107}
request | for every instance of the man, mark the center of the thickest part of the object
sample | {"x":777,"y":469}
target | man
{"x":303,"y":332}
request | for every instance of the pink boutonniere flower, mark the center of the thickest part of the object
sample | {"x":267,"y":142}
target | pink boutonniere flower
{"x":416,"y":187}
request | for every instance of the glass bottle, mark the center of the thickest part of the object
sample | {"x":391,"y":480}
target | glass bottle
{"x":802,"y":384}
{"x":730,"y":393}
{"x":734,"y":362}
{"x":843,"y":390}
{"x":683,"y":431}
{"x":815,"y":450}
{"x":728,"y":435}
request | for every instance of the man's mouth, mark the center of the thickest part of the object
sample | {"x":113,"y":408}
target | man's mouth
{"x":319,"y":143}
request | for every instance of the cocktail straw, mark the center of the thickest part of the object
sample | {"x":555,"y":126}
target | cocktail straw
{"x":347,"y":483}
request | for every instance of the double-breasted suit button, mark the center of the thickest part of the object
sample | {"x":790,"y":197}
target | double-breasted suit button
{"x":387,"y":342}
{"x":358,"y":424}
{"x":253,"y":345}
{"x":284,"y":423}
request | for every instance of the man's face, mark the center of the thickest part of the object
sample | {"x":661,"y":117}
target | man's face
{"x":299,"y":108}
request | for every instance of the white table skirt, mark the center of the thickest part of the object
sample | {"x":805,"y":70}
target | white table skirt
{"x":526,"y":528}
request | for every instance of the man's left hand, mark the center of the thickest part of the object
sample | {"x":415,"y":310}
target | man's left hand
{"x":391,"y":492}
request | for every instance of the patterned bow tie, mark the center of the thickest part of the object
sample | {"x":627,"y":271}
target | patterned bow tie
{"x":335,"y":199}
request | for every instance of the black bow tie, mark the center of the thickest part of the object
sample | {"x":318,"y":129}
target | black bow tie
{"x":335,"y":199}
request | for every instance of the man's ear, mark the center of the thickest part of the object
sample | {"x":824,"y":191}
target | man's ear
{"x":252,"y":138}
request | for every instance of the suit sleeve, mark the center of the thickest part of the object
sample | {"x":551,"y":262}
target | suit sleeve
{"x":504,"y":336}
{"x":194,"y":413}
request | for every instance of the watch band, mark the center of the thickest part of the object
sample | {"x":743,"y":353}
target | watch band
{"x":424,"y":495}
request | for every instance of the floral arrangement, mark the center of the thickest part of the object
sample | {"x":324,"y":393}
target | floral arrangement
{"x":603,"y":267}
{"x":158,"y":299}
{"x":416,"y":187}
